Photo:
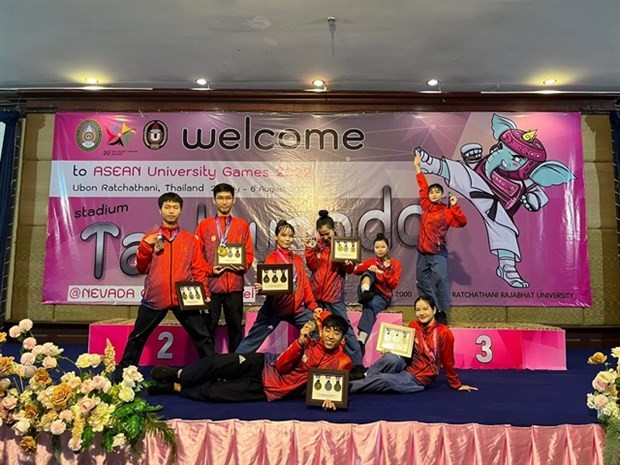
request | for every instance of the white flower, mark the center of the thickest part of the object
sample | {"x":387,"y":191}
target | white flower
{"x":604,"y":380}
{"x":126,"y":394}
{"x":83,"y":361}
{"x":51,"y":349}
{"x":22,"y":426}
{"x":132,"y":375}
{"x":25,"y":325}
{"x":119,"y":440}
{"x":615,"y":352}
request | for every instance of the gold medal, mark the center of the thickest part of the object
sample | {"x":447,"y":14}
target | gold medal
{"x":222,"y":250}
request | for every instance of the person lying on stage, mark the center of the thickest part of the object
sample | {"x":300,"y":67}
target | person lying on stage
{"x":433,"y":348}
{"x":257,"y":376}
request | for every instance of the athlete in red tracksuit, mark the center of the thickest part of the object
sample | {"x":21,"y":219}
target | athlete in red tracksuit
{"x":257,"y":376}
{"x":292,"y":308}
{"x":432,"y":263}
{"x":167,"y":255}
{"x":433,"y":349}
{"x":327,"y":280}
{"x":225,"y":282}
{"x":380,"y":276}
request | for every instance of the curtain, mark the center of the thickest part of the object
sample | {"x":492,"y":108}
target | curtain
{"x":8,"y":185}
{"x":614,"y":118}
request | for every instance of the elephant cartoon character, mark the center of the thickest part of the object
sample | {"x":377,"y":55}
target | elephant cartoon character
{"x":513,"y":174}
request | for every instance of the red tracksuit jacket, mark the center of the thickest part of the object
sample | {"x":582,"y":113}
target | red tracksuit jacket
{"x":385,"y":282}
{"x":432,"y":349}
{"x":239,"y":233}
{"x":287,"y":304}
{"x":327,"y":278}
{"x":180,"y":260}
{"x":437,"y":217}
{"x":288,"y":375}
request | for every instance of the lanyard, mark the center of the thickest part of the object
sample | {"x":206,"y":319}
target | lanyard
{"x":223,"y":237}
{"x":286,"y":261}
{"x":173,"y":234}
{"x":431,"y":351}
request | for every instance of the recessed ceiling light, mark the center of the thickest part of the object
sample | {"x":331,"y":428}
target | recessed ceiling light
{"x":91,"y":80}
{"x":432,"y":82}
{"x":550,"y":82}
{"x":201,"y":82}
{"x":318,"y":83}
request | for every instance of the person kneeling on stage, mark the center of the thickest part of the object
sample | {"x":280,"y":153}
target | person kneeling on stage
{"x":433,"y":348}
{"x":257,"y":376}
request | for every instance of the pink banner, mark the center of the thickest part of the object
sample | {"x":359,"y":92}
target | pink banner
{"x":518,"y":177}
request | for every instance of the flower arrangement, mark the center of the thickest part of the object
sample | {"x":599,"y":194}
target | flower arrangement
{"x":38,"y":396}
{"x":604,"y":400}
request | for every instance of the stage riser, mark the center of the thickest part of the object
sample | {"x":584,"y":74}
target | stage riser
{"x":475,"y":348}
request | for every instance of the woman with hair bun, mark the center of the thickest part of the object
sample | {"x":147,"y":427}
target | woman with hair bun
{"x":380,"y":276}
{"x":292,"y":308}
{"x":327,"y":281}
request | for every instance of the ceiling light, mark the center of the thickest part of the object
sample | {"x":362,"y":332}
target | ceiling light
{"x":201,"y":81}
{"x":91,"y":80}
{"x":432,"y":82}
{"x":550,"y":82}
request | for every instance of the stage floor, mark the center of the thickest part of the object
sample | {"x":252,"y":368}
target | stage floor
{"x":505,"y":397}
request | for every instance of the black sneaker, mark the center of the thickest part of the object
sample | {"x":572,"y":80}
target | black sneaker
{"x":165,"y":373}
{"x":366,"y":296}
{"x":357,"y":372}
{"x":161,"y":388}
{"x":362,"y":348}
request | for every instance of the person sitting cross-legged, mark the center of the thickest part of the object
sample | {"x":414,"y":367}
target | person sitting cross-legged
{"x":257,"y":376}
{"x":433,"y":348}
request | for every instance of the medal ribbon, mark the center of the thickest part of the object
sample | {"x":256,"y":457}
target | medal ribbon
{"x":286,"y":261}
{"x":223,"y":238}
{"x":432,"y":348}
{"x":173,"y":233}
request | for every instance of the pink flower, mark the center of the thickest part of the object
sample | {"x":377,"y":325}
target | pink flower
{"x":14,"y":332}
{"x":603,"y":380}
{"x":86,"y":404}
{"x":58,"y":427}
{"x":50,"y":362}
{"x":75,"y":444}
{"x":600,"y":402}
{"x":29,"y":343}
{"x":102,"y":383}
{"x":66,"y":415}
{"x":9,"y":402}
{"x":87,"y":386}
{"x":28,"y":359}
{"x":25,"y":325}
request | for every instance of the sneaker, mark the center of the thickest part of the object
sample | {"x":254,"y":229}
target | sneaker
{"x":161,"y":388}
{"x":366,"y":296}
{"x":165,"y":373}
{"x":362,"y":348}
{"x":357,"y":372}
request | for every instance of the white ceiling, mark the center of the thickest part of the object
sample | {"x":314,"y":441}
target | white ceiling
{"x":375,"y":45}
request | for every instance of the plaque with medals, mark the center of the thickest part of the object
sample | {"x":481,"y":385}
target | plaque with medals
{"x":327,"y":385}
{"x":346,"y":248}
{"x":276,"y":278}
{"x":191,"y":295}
{"x":230,"y":254}
{"x":396,"y":339}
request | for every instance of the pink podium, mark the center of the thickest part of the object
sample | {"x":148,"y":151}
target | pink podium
{"x":521,"y":347}
{"x":533,"y":347}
